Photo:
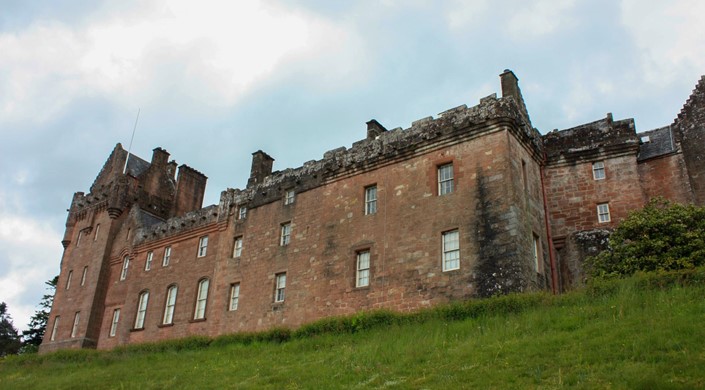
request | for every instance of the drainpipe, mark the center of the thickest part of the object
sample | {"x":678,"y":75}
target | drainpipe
{"x":554,"y":273}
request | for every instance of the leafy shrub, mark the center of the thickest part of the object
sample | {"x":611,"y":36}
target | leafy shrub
{"x":663,"y":236}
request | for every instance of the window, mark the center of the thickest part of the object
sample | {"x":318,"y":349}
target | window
{"x":603,"y":212}
{"x":234,"y":296}
{"x":243,"y":213}
{"x":286,"y":234}
{"x":201,"y":299}
{"x":445,"y":179}
{"x":114,"y":323}
{"x":524,"y":177}
{"x":78,"y":239}
{"x":289,"y":197}
{"x":202,"y":246}
{"x":54,"y":328}
{"x":451,"y":250}
{"x":97,"y":229}
{"x":237,"y":247}
{"x":371,"y":200}
{"x":598,"y":170}
{"x":141,"y":309}
{"x":148,"y":262}
{"x":537,"y":253}
{"x":169,"y":305}
{"x":279,"y":286}
{"x":127,"y":237}
{"x":83,"y":277}
{"x":76,"y":320}
{"x":362,"y":275}
{"x":167,"y":255}
{"x":125,"y":264}
{"x":68,"y":280}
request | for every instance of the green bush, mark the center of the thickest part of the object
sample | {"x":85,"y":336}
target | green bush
{"x":663,"y":236}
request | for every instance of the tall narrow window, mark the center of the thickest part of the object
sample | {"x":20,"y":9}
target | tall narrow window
{"x":445,"y":179}
{"x":603,"y":212}
{"x":362,"y":277}
{"x":54,"y":328}
{"x":148,"y":262}
{"x":371,"y":200}
{"x":451,"y":250}
{"x":524,"y":177}
{"x":78,"y":239}
{"x":289,"y":197}
{"x":598,"y":170}
{"x":285,"y":234}
{"x":141,"y":309}
{"x":125,"y":265}
{"x":169,"y":305}
{"x":242,"y":214}
{"x":97,"y":229}
{"x":234,"y":296}
{"x":279,"y":287}
{"x":114,"y":323}
{"x":202,"y":246}
{"x":167,"y":256}
{"x":201,"y":299}
{"x":537,"y":253}
{"x":237,"y":247}
{"x":76,"y":320}
{"x":83,"y":276}
{"x":68,"y":279}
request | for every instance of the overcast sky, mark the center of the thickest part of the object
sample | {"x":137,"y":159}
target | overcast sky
{"x":218,"y":80}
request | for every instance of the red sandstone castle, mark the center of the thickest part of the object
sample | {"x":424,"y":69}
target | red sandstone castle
{"x":473,"y":203}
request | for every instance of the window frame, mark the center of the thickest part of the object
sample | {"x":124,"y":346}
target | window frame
{"x":598,"y":170}
{"x":83,"y":276}
{"x":114,"y":323}
{"x":285,"y":236}
{"x":279,"y":287}
{"x":54,"y":328}
{"x":202,"y":246}
{"x":370,"y":201}
{"x":234,"y":301}
{"x":537,"y":252}
{"x":141,"y":314}
{"x":446,"y":185}
{"x":603,"y":212}
{"x":237,"y":246}
{"x":76,"y":322}
{"x":446,"y":253}
{"x":289,"y":197}
{"x":242,"y":213}
{"x":125,"y":266}
{"x":170,"y":304}
{"x":199,"y":312}
{"x":68,"y":279}
{"x":148,"y":261}
{"x":167,"y":256}
{"x":95,"y":235}
{"x":362,"y":271}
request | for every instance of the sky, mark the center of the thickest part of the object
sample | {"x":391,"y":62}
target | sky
{"x":214,"y":81}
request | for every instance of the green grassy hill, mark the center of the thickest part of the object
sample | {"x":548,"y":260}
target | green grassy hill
{"x":645,"y":332}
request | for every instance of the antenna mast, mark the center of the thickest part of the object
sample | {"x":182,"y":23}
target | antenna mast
{"x":124,"y":169}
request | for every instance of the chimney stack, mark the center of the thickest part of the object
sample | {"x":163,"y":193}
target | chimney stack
{"x":374,"y":129}
{"x":261,"y":167}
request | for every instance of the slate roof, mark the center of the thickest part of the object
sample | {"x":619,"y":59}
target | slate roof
{"x":660,"y":142}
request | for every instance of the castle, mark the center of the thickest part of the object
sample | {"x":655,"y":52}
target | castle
{"x":473,"y":203}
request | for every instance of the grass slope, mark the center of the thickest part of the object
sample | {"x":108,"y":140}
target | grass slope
{"x":626,"y":334}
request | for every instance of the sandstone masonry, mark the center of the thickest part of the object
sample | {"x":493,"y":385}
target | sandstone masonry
{"x":470,"y":204}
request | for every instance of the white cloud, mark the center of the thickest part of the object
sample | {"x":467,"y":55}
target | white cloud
{"x":215,"y":50}
{"x":669,"y":36}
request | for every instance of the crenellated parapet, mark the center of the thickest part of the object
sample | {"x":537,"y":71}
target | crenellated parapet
{"x":177,"y":225}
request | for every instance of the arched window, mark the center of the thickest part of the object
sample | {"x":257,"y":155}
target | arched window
{"x":201,"y":299}
{"x":141,"y":309}
{"x":170,"y":304}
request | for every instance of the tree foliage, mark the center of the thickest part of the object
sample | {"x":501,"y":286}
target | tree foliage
{"x":662,"y":236}
{"x":9,"y":338}
{"x":38,"y":322}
